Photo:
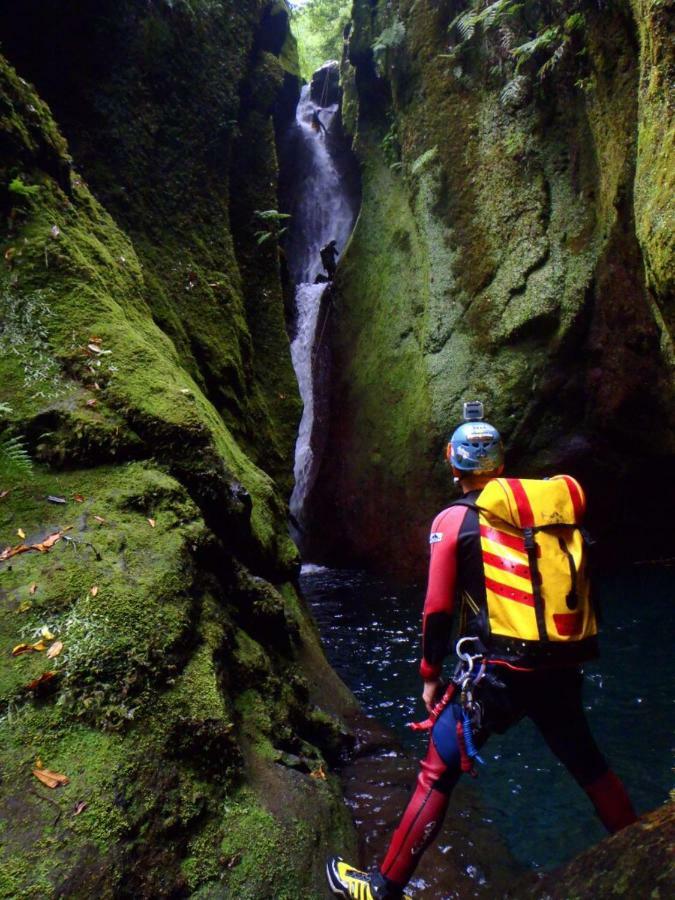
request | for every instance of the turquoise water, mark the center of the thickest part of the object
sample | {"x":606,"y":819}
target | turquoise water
{"x":371,"y":633}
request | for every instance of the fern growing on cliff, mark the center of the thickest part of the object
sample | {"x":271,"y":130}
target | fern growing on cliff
{"x":491,"y":15}
{"x":544,"y":41}
{"x":522,"y":33}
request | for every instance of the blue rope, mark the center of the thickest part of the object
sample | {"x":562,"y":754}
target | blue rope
{"x":468,"y":738}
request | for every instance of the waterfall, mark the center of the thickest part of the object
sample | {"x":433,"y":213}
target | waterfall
{"x":322,"y":211}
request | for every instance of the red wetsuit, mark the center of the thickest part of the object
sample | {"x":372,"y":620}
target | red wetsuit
{"x":550,"y":697}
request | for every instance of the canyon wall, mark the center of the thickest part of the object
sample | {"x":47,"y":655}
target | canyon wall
{"x":180,"y":687}
{"x":514,"y":245}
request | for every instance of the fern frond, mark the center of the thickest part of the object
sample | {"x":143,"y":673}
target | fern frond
{"x":506,"y":38}
{"x":14,"y":458}
{"x":515,"y":92}
{"x":466,"y":26}
{"x":493,"y":14}
{"x":541,"y":41}
{"x":552,"y":62}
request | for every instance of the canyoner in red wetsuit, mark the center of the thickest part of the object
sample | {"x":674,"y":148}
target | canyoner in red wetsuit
{"x":508,"y":559}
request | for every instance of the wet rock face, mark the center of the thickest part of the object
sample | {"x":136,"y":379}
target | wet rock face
{"x":636,"y":862}
{"x":510,"y":247}
{"x":144,"y":359}
{"x":325,"y":84}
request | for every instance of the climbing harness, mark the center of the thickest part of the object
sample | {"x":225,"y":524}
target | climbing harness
{"x":469,"y":672}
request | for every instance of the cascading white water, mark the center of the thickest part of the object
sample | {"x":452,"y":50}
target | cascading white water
{"x":321,"y":213}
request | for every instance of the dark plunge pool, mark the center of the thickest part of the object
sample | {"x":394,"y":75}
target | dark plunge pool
{"x":371,"y":635}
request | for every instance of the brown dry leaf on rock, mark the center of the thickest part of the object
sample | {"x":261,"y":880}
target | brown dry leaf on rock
{"x":9,"y":552}
{"x":50,"y":540}
{"x":51,"y":779}
{"x":55,"y":649}
{"x":41,"y":547}
{"x":28,"y":648}
{"x":38,"y":682}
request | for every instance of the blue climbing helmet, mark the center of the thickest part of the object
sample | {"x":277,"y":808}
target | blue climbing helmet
{"x":476,"y":446}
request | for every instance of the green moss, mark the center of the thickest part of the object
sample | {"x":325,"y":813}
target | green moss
{"x":260,"y":853}
{"x":131,"y":369}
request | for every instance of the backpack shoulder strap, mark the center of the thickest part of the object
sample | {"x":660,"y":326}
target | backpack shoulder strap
{"x":470,"y":504}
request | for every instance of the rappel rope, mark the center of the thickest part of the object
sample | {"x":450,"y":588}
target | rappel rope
{"x":324,"y":93}
{"x":317,"y":345}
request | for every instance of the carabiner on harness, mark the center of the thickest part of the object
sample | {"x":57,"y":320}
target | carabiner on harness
{"x":467,"y":679}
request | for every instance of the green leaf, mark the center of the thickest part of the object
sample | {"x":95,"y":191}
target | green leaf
{"x":19,"y":189}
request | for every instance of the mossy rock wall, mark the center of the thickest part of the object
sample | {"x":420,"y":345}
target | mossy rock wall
{"x":514,"y":245}
{"x":145,"y":363}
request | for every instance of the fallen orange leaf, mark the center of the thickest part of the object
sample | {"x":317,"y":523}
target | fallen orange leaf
{"x":43,"y":679}
{"x":50,"y":779}
{"x":100,"y":520}
{"x":9,"y":552}
{"x":319,"y":773}
{"x":78,"y":498}
{"x":42,"y":547}
{"x":38,"y":647}
{"x":49,"y":541}
{"x":21,"y":533}
{"x":152,"y":523}
{"x":55,"y":649}
{"x":32,"y":588}
{"x":94,"y":590}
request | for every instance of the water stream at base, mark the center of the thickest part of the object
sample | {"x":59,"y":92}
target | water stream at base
{"x":370,"y":631}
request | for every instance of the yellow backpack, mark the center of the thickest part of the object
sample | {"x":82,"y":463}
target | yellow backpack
{"x":535,"y":563}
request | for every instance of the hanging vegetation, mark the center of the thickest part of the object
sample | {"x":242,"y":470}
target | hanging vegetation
{"x":319,"y":26}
